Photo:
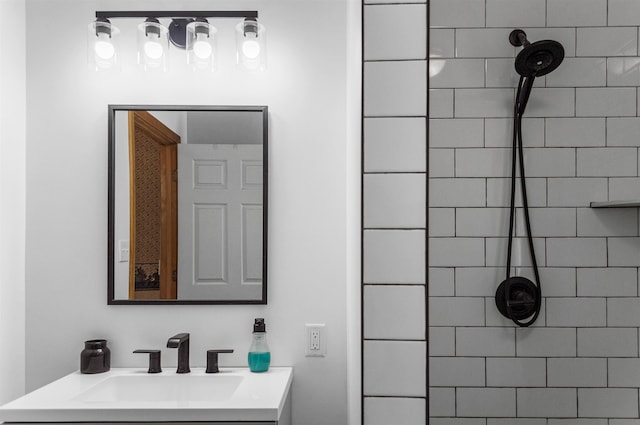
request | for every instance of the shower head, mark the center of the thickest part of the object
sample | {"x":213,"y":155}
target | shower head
{"x":536,"y":59}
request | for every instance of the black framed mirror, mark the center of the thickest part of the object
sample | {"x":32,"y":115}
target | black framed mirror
{"x":187,"y":192}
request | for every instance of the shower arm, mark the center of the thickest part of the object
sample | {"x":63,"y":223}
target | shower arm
{"x":518,"y":38}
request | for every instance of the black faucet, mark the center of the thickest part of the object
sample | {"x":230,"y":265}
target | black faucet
{"x":181,"y":342}
{"x":154,"y":360}
{"x":212,"y":360}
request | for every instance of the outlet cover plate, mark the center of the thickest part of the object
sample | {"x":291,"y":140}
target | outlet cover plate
{"x":315,"y":340}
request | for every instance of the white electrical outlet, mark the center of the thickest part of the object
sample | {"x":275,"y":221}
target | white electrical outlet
{"x":315,"y":340}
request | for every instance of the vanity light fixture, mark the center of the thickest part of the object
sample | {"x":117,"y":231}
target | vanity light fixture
{"x":188,"y":30}
{"x":153,"y":43}
{"x":251,"y":44}
{"x":201,"y":45}
{"x":102,"y":49}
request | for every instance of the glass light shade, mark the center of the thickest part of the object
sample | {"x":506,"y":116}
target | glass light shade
{"x":102,"y":45}
{"x":251,"y":45}
{"x":201,"y":45}
{"x":153,"y":46}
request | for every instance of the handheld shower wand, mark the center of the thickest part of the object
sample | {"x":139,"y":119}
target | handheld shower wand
{"x":518,"y":298}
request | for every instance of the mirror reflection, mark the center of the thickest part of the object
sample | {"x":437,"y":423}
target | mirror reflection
{"x":187,"y":204}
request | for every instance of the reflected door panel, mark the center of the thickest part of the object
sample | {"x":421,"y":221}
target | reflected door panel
{"x":220,"y":221}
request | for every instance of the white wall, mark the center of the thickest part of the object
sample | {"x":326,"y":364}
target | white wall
{"x":12,"y":199}
{"x":304,"y":88}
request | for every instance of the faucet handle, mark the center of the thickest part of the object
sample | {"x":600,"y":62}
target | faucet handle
{"x":212,"y":360}
{"x":154,"y":360}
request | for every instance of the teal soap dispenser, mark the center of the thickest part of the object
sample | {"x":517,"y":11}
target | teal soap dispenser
{"x":259,"y":354}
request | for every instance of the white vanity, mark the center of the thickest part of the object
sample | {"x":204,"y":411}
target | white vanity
{"x":234,"y":395}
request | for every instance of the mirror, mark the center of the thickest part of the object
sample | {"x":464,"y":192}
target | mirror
{"x":187,"y":204}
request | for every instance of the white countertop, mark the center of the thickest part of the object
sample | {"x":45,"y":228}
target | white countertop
{"x":89,"y":398}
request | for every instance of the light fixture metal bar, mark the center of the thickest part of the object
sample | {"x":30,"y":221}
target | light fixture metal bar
{"x":178,"y":14}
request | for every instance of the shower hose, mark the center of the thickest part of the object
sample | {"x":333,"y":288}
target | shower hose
{"x":526,"y":302}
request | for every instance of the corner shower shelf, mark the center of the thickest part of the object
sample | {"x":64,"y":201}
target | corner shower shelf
{"x":615,"y":204}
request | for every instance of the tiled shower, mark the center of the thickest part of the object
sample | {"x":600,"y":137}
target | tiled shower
{"x":579,"y":363}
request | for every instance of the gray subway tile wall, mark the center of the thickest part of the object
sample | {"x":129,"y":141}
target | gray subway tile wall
{"x":396,"y":145}
{"x":395,"y":88}
{"x":394,"y":207}
{"x":580,"y":362}
{"x":619,"y":129}
{"x":386,"y":410}
{"x":576,"y":13}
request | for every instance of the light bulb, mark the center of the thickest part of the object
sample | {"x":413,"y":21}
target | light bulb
{"x":201,"y":48}
{"x":152,"y":47}
{"x":103,"y":47}
{"x":251,"y":48}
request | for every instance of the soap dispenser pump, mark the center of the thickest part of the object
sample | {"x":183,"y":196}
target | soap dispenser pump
{"x":259,"y":354}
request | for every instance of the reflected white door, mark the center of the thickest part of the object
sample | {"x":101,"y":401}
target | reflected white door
{"x":220,"y":222}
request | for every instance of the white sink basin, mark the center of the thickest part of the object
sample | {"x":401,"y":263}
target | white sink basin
{"x":162,"y":388}
{"x":234,"y":394}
